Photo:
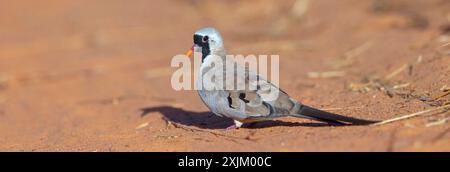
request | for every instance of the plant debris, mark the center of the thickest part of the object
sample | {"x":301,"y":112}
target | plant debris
{"x":443,"y":109}
{"x":329,"y":74}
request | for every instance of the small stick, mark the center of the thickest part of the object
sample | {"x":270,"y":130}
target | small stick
{"x":401,"y":85}
{"x":205,"y":130}
{"x":448,"y":43}
{"x":396,"y":72}
{"x":443,"y":95}
{"x":358,"y":50}
{"x":440,"y":122}
{"x":411,"y":115}
{"x":209,"y":131}
{"x":330,"y":74}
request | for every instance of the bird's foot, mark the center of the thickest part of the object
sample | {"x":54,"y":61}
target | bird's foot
{"x":232,"y":127}
{"x":236,"y":125}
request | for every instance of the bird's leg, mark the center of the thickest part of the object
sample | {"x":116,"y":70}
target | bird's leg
{"x":236,"y":125}
{"x":231,"y":127}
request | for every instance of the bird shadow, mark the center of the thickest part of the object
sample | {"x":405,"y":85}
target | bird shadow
{"x":208,"y":120}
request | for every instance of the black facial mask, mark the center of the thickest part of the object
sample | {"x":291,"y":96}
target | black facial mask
{"x":199,"y":40}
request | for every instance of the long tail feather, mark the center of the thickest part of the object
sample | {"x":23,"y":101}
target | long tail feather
{"x":316,"y":114}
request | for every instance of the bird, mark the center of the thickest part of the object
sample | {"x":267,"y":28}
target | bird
{"x":246,"y":105}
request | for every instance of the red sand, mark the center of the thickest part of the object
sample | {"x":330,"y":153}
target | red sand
{"x":75,"y":75}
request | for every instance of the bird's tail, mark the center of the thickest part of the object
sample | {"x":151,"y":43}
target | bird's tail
{"x":331,"y":118}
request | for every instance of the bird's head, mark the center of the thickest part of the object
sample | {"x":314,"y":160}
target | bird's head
{"x":208,"y":39}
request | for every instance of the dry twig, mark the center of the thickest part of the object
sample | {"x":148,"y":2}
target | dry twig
{"x":442,"y":95}
{"x":411,"y":115}
{"x":396,"y":72}
{"x":329,"y":74}
{"x":189,"y":128}
{"x":440,"y":122}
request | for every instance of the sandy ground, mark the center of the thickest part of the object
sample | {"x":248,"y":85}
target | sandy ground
{"x":95,"y":75}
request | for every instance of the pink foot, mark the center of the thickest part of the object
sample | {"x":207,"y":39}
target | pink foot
{"x":232,"y":127}
{"x":236,"y":125}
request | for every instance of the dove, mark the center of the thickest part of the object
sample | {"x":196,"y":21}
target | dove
{"x":248,"y":105}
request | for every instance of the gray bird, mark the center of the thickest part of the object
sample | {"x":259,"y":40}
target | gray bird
{"x":249,"y":105}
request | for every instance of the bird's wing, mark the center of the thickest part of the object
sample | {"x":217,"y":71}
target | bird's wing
{"x":251,"y":105}
{"x":254,"y":103}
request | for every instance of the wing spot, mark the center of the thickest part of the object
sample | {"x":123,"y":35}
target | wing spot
{"x":242,"y":97}
{"x":229,"y":101}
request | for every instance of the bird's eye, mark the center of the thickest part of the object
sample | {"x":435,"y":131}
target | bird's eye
{"x":205,"y":39}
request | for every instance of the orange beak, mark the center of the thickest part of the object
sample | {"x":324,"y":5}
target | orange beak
{"x":189,"y":53}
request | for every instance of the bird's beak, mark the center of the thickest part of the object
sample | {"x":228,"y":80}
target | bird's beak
{"x":190,"y":51}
